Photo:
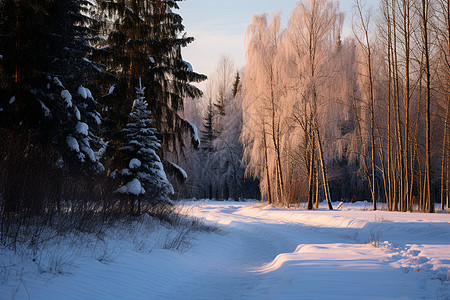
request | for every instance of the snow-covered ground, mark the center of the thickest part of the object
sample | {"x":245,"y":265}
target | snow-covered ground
{"x":262,"y":252}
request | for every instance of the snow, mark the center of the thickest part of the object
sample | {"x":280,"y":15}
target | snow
{"x":135,"y":163}
{"x":47,"y":111}
{"x":111,"y":89}
{"x":189,"y":66}
{"x":126,"y":172}
{"x":96,"y":117}
{"x":90,"y":153}
{"x":77,"y":113}
{"x":67,"y":97}
{"x":57,"y":82}
{"x":183,"y":172}
{"x":82,"y":92}
{"x":261,"y":252}
{"x":194,"y":128}
{"x":82,"y":128}
{"x":133,"y":187}
{"x":12,"y":100}
{"x":73,"y":144}
{"x":89,"y":94}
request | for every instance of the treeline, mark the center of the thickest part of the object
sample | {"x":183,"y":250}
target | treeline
{"x":363,"y":118}
{"x":216,"y":170}
{"x":91,"y":97}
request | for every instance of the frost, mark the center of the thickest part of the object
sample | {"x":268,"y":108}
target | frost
{"x":133,"y":187}
{"x":135,"y":163}
{"x":189,"y":66}
{"x":67,"y":97}
{"x":47,"y":111}
{"x":73,"y":144}
{"x":12,"y":100}
{"x":82,"y":128}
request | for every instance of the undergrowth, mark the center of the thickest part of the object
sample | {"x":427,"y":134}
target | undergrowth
{"x":54,"y":248}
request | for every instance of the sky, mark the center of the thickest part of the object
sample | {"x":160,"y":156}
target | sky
{"x":219,"y":26}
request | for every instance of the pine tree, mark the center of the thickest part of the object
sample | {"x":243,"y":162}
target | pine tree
{"x":144,"y":180}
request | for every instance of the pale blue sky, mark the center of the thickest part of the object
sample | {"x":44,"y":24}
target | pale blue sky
{"x":218,"y":27}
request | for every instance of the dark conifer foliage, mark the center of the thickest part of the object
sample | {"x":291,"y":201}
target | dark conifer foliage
{"x":236,"y":84}
{"x":143,"y":180}
{"x":144,"y":39}
{"x":48,"y":118}
{"x":208,"y":133}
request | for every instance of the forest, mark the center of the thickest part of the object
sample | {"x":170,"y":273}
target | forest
{"x":100,"y":115}
{"x":320,"y":117}
{"x":91,"y":102}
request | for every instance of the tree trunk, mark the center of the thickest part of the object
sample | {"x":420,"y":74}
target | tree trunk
{"x":406,"y":31}
{"x":266,"y":162}
{"x":425,"y":20}
{"x":311,"y":176}
{"x":444,"y":154}
{"x":324,"y":173}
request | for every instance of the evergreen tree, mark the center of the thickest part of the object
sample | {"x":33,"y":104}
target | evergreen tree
{"x":207,"y":149}
{"x":144,"y":180}
{"x":145,"y":42}
{"x":236,"y":84}
{"x":208,"y":133}
{"x":43,"y":45}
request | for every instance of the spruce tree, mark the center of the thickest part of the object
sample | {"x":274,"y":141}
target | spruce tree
{"x":145,"y":42}
{"x":208,"y":133}
{"x":236,"y":84}
{"x":144,"y":179}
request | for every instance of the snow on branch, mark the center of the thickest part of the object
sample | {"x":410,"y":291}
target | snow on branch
{"x":195,"y":136}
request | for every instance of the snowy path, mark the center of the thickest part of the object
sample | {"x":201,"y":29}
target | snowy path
{"x":268,"y":253}
{"x":284,"y":254}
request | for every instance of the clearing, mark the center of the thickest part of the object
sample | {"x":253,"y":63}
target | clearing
{"x":262,"y":252}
